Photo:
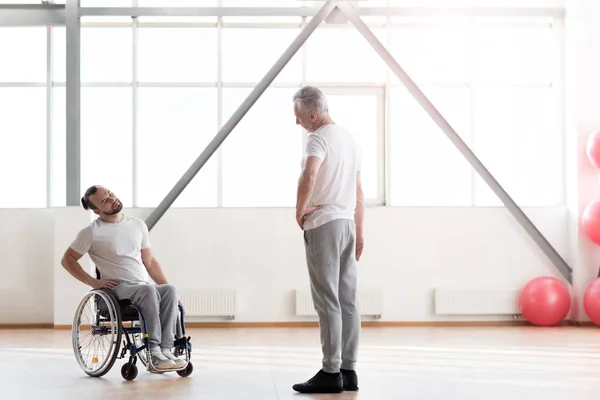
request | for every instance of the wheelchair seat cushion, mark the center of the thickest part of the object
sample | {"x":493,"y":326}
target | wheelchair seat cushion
{"x":128,"y":313}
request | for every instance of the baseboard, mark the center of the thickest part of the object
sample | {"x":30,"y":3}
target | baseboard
{"x":314,"y":324}
{"x":27,"y":326}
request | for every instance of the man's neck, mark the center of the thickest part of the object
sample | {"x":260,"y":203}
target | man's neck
{"x":324,"y":121}
{"x":112,"y":218}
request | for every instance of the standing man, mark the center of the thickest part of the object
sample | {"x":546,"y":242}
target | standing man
{"x":330,"y":211}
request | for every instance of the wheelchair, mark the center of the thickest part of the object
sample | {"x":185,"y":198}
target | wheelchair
{"x":99,"y":326}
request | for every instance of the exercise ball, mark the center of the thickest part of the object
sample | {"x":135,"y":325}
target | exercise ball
{"x":590,"y":221}
{"x":592,"y":149}
{"x":545,"y":301}
{"x":591,"y":301}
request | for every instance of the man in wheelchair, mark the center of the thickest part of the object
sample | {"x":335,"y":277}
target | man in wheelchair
{"x":119,"y":246}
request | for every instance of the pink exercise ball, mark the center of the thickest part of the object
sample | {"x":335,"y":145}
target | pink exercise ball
{"x":592,"y":149}
{"x":590,"y":221}
{"x":591,"y":301}
{"x":545,"y":301}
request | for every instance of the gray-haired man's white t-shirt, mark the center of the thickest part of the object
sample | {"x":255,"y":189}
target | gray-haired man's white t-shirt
{"x":335,"y":184}
{"x":115,"y":248}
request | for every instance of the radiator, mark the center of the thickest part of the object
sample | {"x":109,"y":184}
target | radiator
{"x":476,"y":302}
{"x":209,"y":303}
{"x":370,"y":302}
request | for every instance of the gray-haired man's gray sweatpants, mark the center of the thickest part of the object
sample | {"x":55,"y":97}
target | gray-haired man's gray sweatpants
{"x":331,"y":259}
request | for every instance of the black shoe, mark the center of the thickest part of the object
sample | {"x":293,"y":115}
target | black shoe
{"x":322,"y":382}
{"x":350,"y":380}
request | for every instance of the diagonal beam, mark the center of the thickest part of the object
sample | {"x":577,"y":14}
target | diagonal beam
{"x":350,"y":12}
{"x":237,"y":116}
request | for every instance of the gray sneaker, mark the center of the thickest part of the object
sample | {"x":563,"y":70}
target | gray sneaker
{"x":168,"y":353}
{"x":160,"y":362}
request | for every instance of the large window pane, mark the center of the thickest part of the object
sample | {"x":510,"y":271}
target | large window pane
{"x":106,"y":54}
{"x":262,"y":156}
{"x":437,"y":54}
{"x":518,"y":138}
{"x":106,"y":149}
{"x":507,"y":54}
{"x":59,"y":151}
{"x":23,"y":149}
{"x":260,"y":3}
{"x":23,"y":54}
{"x":177,"y":54}
{"x":479,"y":3}
{"x":106,"y":3}
{"x":174,"y":127}
{"x":426,"y":168}
{"x":343,"y":55}
{"x":360,"y":114}
{"x":177,"y":3}
{"x":249,"y":53}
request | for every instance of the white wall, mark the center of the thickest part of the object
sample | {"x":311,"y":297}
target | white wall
{"x":26,"y":250}
{"x":259,"y":252}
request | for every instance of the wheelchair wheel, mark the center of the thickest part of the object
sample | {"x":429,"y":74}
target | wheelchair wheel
{"x":187,"y":371}
{"x":96,"y":332}
{"x":129,"y":371}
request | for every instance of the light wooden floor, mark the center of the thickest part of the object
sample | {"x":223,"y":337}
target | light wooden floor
{"x":395,"y":363}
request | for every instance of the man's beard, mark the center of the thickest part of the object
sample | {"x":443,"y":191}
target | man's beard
{"x":116,"y":210}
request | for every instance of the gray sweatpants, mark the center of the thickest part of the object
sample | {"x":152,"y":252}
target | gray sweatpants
{"x":331,"y":259}
{"x":159,"y":306}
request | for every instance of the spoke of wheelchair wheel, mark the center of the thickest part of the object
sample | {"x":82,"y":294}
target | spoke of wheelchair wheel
{"x":87,"y":355}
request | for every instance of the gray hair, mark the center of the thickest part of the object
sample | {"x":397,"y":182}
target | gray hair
{"x":311,"y":98}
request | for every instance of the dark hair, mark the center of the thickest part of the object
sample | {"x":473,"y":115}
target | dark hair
{"x":85,"y":200}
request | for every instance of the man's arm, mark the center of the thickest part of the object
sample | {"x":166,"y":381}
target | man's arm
{"x":153,"y":267}
{"x":359,"y":214}
{"x":70,"y":261}
{"x":306,"y":185}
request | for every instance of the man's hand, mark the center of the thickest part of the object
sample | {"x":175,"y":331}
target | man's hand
{"x":301,"y":214}
{"x":360,"y":243}
{"x":104,"y":283}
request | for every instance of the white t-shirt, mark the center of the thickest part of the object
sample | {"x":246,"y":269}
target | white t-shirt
{"x":335,"y":184}
{"x":115,"y":248}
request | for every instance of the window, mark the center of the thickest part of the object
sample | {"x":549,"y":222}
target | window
{"x":177,"y":3}
{"x":23,"y":53}
{"x":362,"y":114}
{"x":58,"y":189}
{"x":518,"y":138}
{"x":262,"y":156}
{"x":432,"y":54}
{"x":249,"y":53}
{"x":260,"y":3}
{"x":480,"y":3}
{"x":106,"y":143}
{"x":426,"y":168}
{"x":513,"y":55}
{"x":177,"y":54}
{"x":106,"y":54}
{"x":343,"y":55}
{"x":23,"y":150}
{"x":106,"y":3}
{"x":174,"y":127}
